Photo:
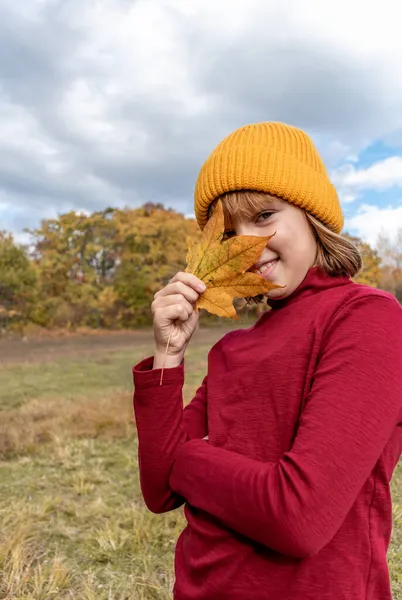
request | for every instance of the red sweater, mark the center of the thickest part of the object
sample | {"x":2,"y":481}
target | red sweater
{"x":289,"y":499}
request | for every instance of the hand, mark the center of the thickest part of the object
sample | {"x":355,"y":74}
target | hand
{"x":175,"y":317}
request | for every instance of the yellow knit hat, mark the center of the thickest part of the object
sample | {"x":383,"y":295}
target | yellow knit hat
{"x":274,"y":158}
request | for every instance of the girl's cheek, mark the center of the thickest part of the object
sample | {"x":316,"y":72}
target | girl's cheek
{"x":277,"y":242}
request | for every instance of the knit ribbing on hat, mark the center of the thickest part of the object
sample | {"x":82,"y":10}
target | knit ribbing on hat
{"x":273,"y":158}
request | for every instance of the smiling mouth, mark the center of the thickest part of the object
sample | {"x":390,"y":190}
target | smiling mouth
{"x":266,"y":269}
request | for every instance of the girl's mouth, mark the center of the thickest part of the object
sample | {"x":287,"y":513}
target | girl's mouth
{"x":267,"y":268}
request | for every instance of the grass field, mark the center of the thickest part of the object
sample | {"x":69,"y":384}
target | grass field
{"x":73,"y":524}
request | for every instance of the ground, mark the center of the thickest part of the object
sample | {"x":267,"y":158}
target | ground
{"x":73,"y":521}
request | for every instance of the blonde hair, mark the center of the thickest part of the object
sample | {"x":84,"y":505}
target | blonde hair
{"x":336,"y":255}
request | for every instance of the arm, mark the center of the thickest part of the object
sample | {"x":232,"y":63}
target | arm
{"x":163,"y":426}
{"x":296,"y":505}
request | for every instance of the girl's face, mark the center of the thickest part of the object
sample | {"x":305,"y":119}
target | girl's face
{"x":290,"y":253}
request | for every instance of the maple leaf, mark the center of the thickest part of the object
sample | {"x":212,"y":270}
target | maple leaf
{"x":223,"y":266}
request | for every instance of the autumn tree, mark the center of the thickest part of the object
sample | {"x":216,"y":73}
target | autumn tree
{"x":371,"y":270}
{"x":390,"y":251}
{"x":75,"y":259}
{"x":152,"y":246}
{"x":17,"y":282}
{"x":101,"y":270}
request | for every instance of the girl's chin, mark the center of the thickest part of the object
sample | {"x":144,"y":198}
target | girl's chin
{"x":277,"y":294}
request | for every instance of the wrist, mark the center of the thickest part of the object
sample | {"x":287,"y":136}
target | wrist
{"x":168,"y":361}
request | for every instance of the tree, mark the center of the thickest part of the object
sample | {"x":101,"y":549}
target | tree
{"x":17,"y":281}
{"x":102,"y":270}
{"x":371,"y":271}
{"x":152,"y":247}
{"x":390,"y":251}
{"x":75,"y":258}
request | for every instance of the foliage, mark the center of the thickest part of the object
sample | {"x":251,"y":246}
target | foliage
{"x":371,"y":271}
{"x":101,"y":270}
{"x":391,"y":253}
{"x":17,"y":281}
{"x":151,"y":246}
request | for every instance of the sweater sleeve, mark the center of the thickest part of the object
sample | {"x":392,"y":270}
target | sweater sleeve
{"x":163,"y":426}
{"x":296,"y":505}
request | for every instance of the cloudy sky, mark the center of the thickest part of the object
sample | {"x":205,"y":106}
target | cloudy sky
{"x":119,"y":102}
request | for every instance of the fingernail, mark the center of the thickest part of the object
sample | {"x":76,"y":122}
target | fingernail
{"x":202,"y":287}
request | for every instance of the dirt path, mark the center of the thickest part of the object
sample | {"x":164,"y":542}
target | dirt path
{"x":42,"y":349}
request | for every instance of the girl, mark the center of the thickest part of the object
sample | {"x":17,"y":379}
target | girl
{"x":284,"y":456}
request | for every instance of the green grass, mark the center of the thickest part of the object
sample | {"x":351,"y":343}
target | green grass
{"x":105,"y":372}
{"x":73,"y":521}
{"x":70,"y":378}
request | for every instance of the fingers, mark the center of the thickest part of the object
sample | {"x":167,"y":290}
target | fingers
{"x":190,"y":280}
{"x":188,"y":286}
{"x":172,"y":300}
{"x":177,"y":299}
{"x":173,"y":312}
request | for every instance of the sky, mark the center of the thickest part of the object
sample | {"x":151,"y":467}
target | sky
{"x":119,"y":102}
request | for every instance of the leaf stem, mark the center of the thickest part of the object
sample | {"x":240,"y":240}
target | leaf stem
{"x":164,"y":358}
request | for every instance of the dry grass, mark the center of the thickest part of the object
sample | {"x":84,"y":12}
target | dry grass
{"x":74,"y":526}
{"x":26,"y":572}
{"x":23,"y":430}
{"x":73,"y":521}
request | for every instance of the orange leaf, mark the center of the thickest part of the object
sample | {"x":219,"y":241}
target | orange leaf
{"x":222,"y":266}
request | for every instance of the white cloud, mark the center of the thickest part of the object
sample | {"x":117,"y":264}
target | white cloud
{"x":372,"y":220}
{"x":115,"y":102}
{"x":381,"y":175}
{"x":346,"y":198}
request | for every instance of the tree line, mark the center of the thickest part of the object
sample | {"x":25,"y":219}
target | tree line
{"x":102,"y":270}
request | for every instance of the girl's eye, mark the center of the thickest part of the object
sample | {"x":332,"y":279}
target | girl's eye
{"x":264,"y":216}
{"x":228,"y":234}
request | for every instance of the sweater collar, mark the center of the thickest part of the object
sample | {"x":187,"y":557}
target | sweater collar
{"x":315,"y":281}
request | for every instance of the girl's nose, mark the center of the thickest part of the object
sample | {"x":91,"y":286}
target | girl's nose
{"x":247,"y":229}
